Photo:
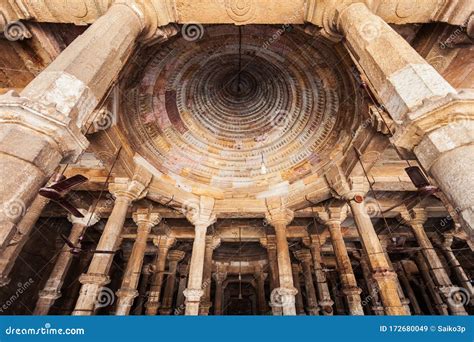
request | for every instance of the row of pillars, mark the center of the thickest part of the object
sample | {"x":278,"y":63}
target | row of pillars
{"x":382,"y":283}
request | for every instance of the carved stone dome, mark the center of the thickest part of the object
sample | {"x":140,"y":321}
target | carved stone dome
{"x":196,"y":120}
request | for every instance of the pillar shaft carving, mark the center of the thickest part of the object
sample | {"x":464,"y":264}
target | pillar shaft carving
{"x":415,"y":218}
{"x":146,"y":220}
{"x":174,"y":257}
{"x":52,"y":288}
{"x":304,"y":256}
{"x":163,"y":243}
{"x":202,"y":216}
{"x":279,"y":217}
{"x":125,"y":192}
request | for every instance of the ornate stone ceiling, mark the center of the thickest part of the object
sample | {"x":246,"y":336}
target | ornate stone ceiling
{"x":290,"y":116}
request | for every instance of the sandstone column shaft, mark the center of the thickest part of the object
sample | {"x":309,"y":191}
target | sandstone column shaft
{"x":194,"y":291}
{"x":382,"y":272}
{"x":153,"y":302}
{"x":52,"y":288}
{"x":218,"y":299}
{"x":128,"y":290}
{"x":409,"y":87}
{"x":324,"y":296}
{"x":97,"y":274}
{"x":10,"y":253}
{"x":344,"y":267}
{"x":43,"y":126}
{"x":174,"y":257}
{"x":305,"y":257}
{"x":297,"y":283}
{"x":439,"y":275}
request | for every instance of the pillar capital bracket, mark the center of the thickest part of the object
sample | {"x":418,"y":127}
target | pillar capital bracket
{"x":220,"y":277}
{"x":333,"y":214}
{"x":213,"y":242}
{"x":144,"y":216}
{"x":88,"y":220}
{"x":131,"y":189}
{"x":279,"y":216}
{"x":303,"y":255}
{"x":413,"y":217}
{"x":193,"y":295}
{"x":164,"y":242}
{"x":343,"y":187}
{"x":200,"y":213}
{"x":176,"y":255}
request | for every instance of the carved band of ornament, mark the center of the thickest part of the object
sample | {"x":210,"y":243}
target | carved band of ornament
{"x":351,"y":290}
{"x":384,"y":274}
{"x":193,"y":295}
{"x":240,"y":10}
{"x":127,"y":293}
{"x":94,"y":278}
{"x":49,"y":294}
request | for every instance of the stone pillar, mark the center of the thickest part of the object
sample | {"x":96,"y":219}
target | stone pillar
{"x":304,"y":256}
{"x":201,"y":217}
{"x":145,"y":220}
{"x":9,"y":254}
{"x":174,"y":257}
{"x":205,"y":305}
{"x":295,"y":268}
{"x":270,"y":244}
{"x":52,"y":288}
{"x":97,"y":275}
{"x":163,"y":243}
{"x":183,"y":271}
{"x":324,"y":297}
{"x":454,"y":264}
{"x":372,"y":289}
{"x":415,"y":218}
{"x":42,"y":126}
{"x":405,"y":282}
{"x":383,"y":274}
{"x":333,"y":283}
{"x":142,"y":289}
{"x":284,"y":295}
{"x":403,"y":299}
{"x":219,"y":277}
{"x":332,"y":217}
{"x":440,"y":306}
{"x":432,"y":118}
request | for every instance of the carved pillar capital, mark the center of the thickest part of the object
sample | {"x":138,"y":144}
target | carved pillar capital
{"x":200,"y":213}
{"x":164,"y":242}
{"x":279,"y":217}
{"x":146,"y":218}
{"x":133,"y":189}
{"x":176,"y":255}
{"x":353,"y":188}
{"x":303,"y":255}
{"x":334,"y":214}
{"x":220,"y":277}
{"x":413,"y":217}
